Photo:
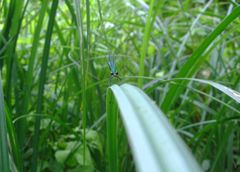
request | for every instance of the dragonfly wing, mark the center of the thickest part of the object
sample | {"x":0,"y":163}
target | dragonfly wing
{"x":111,"y":64}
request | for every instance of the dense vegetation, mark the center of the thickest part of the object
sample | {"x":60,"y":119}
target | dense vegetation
{"x":55,"y":76}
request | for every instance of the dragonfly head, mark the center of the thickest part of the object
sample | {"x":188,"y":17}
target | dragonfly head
{"x":114,"y":73}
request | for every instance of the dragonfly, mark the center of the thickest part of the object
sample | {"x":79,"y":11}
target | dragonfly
{"x":112,"y":67}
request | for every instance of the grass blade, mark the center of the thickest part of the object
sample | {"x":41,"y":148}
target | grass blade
{"x":4,"y":157}
{"x":6,"y":31}
{"x":16,"y":21}
{"x":42,"y":83}
{"x":35,"y":43}
{"x":228,"y":91}
{"x":15,"y":147}
{"x":149,"y":23}
{"x":84,"y":71}
{"x":112,"y":139}
{"x":150,"y":132}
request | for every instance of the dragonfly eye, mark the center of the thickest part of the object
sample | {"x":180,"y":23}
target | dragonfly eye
{"x":112,"y":73}
{"x":116,"y":73}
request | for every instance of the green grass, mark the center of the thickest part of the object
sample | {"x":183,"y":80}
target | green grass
{"x":42,"y":81}
{"x":149,"y":24}
{"x":196,"y":59}
{"x":4,"y":159}
{"x":179,"y":67}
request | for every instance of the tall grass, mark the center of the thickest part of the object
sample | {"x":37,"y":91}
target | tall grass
{"x":59,"y":113}
{"x":192,"y":65}
{"x":42,"y":80}
{"x":149,"y":24}
{"x":4,"y":160}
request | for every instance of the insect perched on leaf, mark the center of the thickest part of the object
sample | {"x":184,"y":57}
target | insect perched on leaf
{"x":112,"y":67}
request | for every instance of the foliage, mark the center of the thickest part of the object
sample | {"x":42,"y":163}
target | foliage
{"x":55,"y":77}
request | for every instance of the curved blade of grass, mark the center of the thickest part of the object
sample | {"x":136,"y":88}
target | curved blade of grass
{"x":155,"y":144}
{"x":13,"y":139}
{"x":192,"y":65}
{"x":235,"y":95}
{"x":228,"y":91}
{"x":4,"y":157}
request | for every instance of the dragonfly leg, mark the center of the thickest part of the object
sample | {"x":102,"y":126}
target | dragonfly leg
{"x":118,"y":77}
{"x":110,"y":80}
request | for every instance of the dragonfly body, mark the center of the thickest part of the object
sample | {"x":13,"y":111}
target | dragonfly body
{"x":112,"y":67}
